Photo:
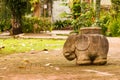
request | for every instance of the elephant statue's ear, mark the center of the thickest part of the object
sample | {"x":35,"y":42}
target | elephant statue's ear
{"x":82,"y":42}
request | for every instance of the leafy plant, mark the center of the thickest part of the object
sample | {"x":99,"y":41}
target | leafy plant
{"x":116,"y":5}
{"x":59,"y":24}
{"x":114,"y":27}
{"x":27,"y":26}
{"x":113,"y":23}
{"x":85,"y":18}
{"x":105,"y":19}
{"x":5,"y":25}
{"x":44,"y":24}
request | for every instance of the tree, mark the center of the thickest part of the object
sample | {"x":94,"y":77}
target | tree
{"x":18,"y":9}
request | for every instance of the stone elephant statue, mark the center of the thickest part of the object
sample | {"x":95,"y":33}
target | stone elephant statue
{"x":86,"y":49}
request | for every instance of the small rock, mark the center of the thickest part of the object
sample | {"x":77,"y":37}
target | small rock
{"x":45,"y":49}
{"x":48,"y":64}
{"x":57,"y":68}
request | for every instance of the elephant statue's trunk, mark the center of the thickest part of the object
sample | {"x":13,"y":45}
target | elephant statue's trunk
{"x":69,"y":56}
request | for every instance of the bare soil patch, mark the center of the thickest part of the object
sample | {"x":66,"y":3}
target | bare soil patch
{"x":51,"y":65}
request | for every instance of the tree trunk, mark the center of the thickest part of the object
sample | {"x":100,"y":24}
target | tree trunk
{"x":16,"y":26}
{"x":36,"y":13}
{"x":97,"y":12}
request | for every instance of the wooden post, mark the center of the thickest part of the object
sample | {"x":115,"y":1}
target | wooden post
{"x":36,"y":13}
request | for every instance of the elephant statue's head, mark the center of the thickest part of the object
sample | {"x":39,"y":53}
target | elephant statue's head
{"x":69,"y":48}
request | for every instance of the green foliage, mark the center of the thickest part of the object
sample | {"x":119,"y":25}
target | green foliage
{"x":21,"y":7}
{"x":27,"y":25}
{"x":104,"y":21}
{"x":115,"y":7}
{"x":5,"y":25}
{"x":4,"y":11}
{"x":110,"y":21}
{"x":76,"y":9}
{"x":59,"y":24}
{"x":85,"y":18}
{"x":4,"y":17}
{"x":18,"y":8}
{"x":114,"y":27}
{"x":44,"y":24}
{"x":1,"y":26}
{"x":117,"y":2}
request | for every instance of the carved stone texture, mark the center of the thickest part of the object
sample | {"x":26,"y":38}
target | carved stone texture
{"x":87,"y":47}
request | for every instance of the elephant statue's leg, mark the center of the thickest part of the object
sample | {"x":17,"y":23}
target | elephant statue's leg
{"x":101,"y":57}
{"x":82,"y":58}
{"x":100,"y":60}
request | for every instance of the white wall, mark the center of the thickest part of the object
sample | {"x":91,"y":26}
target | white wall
{"x":57,"y":9}
{"x":106,"y":2}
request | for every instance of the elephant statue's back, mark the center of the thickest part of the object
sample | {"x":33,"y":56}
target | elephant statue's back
{"x":93,"y":43}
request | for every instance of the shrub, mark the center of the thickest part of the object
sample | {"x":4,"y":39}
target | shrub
{"x":85,"y":18}
{"x":114,"y":27}
{"x":65,"y":24}
{"x":44,"y":24}
{"x":104,"y":22}
{"x":5,"y":25}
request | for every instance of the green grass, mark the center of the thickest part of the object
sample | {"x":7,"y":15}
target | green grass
{"x":24,"y":45}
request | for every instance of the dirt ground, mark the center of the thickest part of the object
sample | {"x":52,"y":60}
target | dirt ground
{"x":51,"y":65}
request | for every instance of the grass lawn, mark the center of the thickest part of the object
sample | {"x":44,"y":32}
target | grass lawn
{"x":24,"y":45}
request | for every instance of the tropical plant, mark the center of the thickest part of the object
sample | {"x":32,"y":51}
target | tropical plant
{"x":113,"y":23}
{"x":65,"y":24}
{"x":75,"y":8}
{"x":104,"y":21}
{"x":18,"y":9}
{"x":85,"y":18}
{"x":114,"y":27}
{"x":5,"y":25}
